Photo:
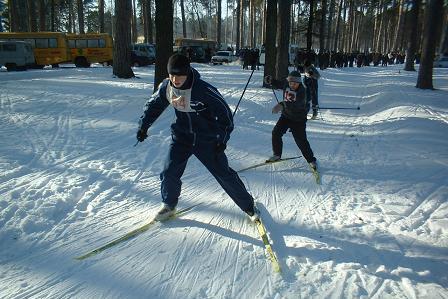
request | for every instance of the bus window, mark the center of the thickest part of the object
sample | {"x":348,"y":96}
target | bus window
{"x":31,"y":41}
{"x":81,"y":43}
{"x":41,"y":43}
{"x":92,"y":43}
{"x":52,"y":43}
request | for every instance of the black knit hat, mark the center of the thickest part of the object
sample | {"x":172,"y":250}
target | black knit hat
{"x":294,"y":76}
{"x":178,"y":64}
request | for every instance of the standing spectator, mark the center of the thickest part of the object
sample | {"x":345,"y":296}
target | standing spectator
{"x":310,"y":81}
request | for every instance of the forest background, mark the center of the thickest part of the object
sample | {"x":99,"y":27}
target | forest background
{"x":416,"y":28}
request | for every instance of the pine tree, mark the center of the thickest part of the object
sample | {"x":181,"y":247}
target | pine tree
{"x":164,"y":39}
{"x":122,"y":50}
{"x":431,"y":34}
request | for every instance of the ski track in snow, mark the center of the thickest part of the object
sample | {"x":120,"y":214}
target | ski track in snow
{"x":72,"y":180}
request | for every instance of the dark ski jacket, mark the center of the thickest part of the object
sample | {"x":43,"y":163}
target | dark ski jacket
{"x":206,"y":117}
{"x":295,"y":102}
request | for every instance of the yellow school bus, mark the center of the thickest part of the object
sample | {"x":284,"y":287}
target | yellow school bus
{"x":90,"y":48}
{"x":50,"y":48}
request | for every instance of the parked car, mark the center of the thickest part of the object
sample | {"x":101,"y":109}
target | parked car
{"x":16,"y":55}
{"x":221,"y":57}
{"x":441,"y":61}
{"x":143,"y":54}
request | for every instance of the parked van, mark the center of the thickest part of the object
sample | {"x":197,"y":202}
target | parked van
{"x":441,"y":61}
{"x":16,"y":55}
{"x":143,"y":54}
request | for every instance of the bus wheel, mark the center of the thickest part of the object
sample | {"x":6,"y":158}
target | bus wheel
{"x":38,"y":66}
{"x":10,"y":67}
{"x":81,"y":62}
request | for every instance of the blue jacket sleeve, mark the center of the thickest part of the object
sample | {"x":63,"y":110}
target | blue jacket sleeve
{"x":222,"y":113}
{"x":154,"y":107}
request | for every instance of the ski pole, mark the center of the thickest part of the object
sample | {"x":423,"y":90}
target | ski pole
{"x":243,"y":93}
{"x":275,"y":95}
{"x":340,"y":108}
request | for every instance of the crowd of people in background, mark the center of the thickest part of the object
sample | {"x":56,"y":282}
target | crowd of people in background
{"x":250,"y":58}
{"x":341,"y":59}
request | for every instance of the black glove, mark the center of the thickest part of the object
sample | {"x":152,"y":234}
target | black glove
{"x":142,"y":134}
{"x":220,"y":148}
{"x":315,"y":111}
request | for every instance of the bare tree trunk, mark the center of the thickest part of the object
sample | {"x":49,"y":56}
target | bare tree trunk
{"x":252,"y":23}
{"x":101,"y":15}
{"x":412,"y":39}
{"x":309,"y":33}
{"x":52,"y":15}
{"x":218,"y":23}
{"x":329,"y":24}
{"x":323,"y":21}
{"x":283,"y":28}
{"x":32,"y":15}
{"x":262,"y":25}
{"x":18,"y":15}
{"x":184,"y":21}
{"x":271,"y":32}
{"x":381,"y":25}
{"x":403,"y":37}
{"x":71,"y":17}
{"x":351,"y":26}
{"x":431,"y":35}
{"x":238,"y":25}
{"x":444,"y":44}
{"x":337,"y":29}
{"x":375,"y":28}
{"x":164,"y":39}
{"x":241,"y":21}
{"x":386,"y":46}
{"x":13,"y":24}
{"x":144,"y":5}
{"x":150,"y":27}
{"x":81,"y":16}
{"x":399,"y":25}
{"x":42,"y":15}
{"x":122,"y":42}
{"x":134,"y":23}
{"x":201,"y":31}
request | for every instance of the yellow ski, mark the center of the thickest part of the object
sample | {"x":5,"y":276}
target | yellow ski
{"x":264,"y":237}
{"x":131,"y":234}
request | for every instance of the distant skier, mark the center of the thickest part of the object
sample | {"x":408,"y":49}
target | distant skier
{"x":294,"y":109}
{"x":202,"y":128}
{"x":310,"y":81}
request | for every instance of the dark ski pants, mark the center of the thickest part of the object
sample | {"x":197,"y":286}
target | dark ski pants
{"x":298,"y":130}
{"x":217,"y":165}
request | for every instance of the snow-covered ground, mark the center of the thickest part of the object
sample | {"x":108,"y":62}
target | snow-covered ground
{"x":72,"y":180}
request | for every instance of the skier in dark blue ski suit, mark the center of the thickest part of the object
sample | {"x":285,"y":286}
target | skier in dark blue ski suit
{"x":202,"y":128}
